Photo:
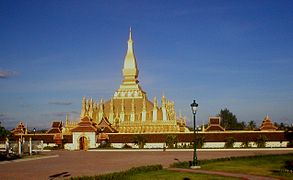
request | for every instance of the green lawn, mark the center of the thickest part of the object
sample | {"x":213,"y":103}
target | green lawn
{"x":170,"y":175}
{"x":267,"y":165}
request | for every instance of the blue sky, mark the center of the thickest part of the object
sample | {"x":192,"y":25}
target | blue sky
{"x":225,"y":54}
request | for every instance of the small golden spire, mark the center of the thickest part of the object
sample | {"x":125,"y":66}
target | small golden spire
{"x":130,"y":35}
{"x":66,"y":118}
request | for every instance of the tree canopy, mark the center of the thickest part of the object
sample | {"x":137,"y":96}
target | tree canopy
{"x":3,"y":132}
{"x":229,"y":120}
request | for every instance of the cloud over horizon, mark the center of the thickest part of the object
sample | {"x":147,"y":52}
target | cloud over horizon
{"x":62,"y":103}
{"x":4,"y":74}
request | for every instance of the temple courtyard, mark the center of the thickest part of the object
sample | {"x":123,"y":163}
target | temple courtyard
{"x":66,"y":164}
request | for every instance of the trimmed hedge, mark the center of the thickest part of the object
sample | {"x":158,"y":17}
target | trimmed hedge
{"x":121,"y":175}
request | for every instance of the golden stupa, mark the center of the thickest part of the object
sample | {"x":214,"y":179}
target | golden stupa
{"x":129,"y":110}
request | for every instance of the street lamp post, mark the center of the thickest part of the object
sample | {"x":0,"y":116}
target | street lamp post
{"x":194,"y":107}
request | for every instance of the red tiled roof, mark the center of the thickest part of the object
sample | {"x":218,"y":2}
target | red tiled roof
{"x":213,"y":127}
{"x":56,"y":124}
{"x":106,"y":127}
{"x":53,"y":131}
{"x":84,"y":129}
{"x":20,"y":129}
{"x":85,"y":125}
{"x":267,"y":125}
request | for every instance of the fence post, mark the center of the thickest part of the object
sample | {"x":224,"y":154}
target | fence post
{"x":30,"y":142}
{"x":42,"y":145}
{"x":19,"y":146}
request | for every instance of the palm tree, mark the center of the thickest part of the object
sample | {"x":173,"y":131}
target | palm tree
{"x":251,"y":125}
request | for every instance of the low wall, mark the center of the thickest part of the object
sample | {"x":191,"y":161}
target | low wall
{"x":208,"y":145}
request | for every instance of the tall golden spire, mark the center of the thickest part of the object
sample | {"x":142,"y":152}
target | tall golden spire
{"x":130,"y":70}
{"x":129,"y":87}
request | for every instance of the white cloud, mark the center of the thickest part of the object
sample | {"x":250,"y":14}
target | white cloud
{"x":7,"y":73}
{"x":63,"y":103}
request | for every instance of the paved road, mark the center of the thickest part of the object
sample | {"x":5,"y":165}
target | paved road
{"x":79,"y":163}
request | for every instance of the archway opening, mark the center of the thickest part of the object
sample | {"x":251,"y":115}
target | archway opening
{"x":83,"y":143}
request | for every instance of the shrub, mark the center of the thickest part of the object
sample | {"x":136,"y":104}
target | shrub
{"x":105,"y":145}
{"x":289,"y":165}
{"x":290,"y":144}
{"x":52,"y":148}
{"x":245,"y":144}
{"x":171,"y":141}
{"x":184,"y":164}
{"x":229,"y":142}
{"x":261,"y":141}
{"x":126,"y":146}
{"x":140,"y":140}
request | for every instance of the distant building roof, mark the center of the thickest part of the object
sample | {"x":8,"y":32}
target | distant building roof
{"x":267,"y":125}
{"x":20,"y":129}
{"x":56,"y":127}
{"x":214,"y":124}
{"x":105,"y":126}
{"x":85,"y":125}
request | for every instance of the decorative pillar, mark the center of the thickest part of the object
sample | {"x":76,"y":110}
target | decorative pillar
{"x":111,"y":113}
{"x":164,"y":110}
{"x":30,"y":144}
{"x":101,"y":110}
{"x":155,"y":110}
{"x":90,"y":113}
{"x":143,"y":113}
{"x":122,"y":115}
{"x":132,"y":114}
{"x":83,"y":108}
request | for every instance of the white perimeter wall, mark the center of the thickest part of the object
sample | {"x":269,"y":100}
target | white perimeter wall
{"x":215,"y":145}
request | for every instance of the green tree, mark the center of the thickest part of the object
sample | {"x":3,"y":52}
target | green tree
{"x":229,"y":120}
{"x":171,"y":141}
{"x":3,"y":132}
{"x":229,"y":142}
{"x":139,"y":140}
{"x":261,"y":141}
{"x":280,"y":126}
{"x":251,"y":125}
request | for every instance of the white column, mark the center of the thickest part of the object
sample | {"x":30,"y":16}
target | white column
{"x":30,"y":142}
{"x":19,"y":146}
{"x":42,"y":145}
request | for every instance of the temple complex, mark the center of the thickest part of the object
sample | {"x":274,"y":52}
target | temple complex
{"x":130,"y":110}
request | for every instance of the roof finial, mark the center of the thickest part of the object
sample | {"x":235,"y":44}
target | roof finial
{"x":130,"y":34}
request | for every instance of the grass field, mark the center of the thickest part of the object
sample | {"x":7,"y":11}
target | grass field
{"x":268,"y":165}
{"x":169,"y":175}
